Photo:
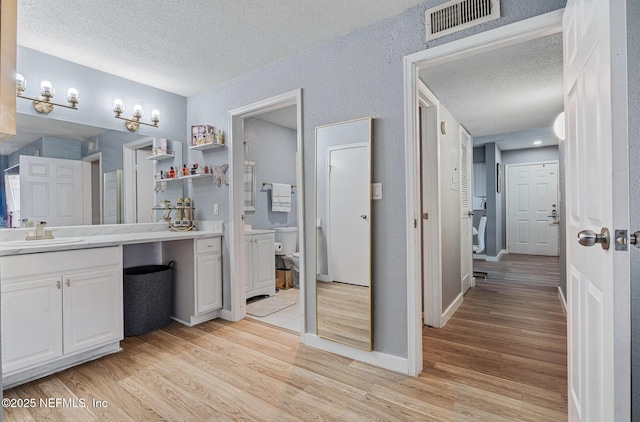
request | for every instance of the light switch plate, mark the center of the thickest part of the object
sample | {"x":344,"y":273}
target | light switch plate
{"x":377,"y":191}
{"x":215,"y":209}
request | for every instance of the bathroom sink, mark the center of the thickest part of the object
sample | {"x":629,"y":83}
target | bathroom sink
{"x":44,"y":242}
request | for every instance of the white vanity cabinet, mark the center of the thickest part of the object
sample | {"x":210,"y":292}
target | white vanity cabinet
{"x":197,"y":279}
{"x":260,"y":263}
{"x":59,"y":309}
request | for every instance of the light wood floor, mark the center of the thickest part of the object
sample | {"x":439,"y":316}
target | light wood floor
{"x":500,"y":358}
{"x":344,"y":313}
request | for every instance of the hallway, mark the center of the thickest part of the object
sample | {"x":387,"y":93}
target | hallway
{"x":504,"y":350}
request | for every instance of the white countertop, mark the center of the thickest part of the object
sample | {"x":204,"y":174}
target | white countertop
{"x":258,"y":231}
{"x":20,"y":247}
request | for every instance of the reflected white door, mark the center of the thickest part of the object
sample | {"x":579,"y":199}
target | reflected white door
{"x":466,"y":241}
{"x":597,"y":279}
{"x":348,"y":205}
{"x":51,"y":190}
{"x":532,"y":200}
{"x":145,"y":198}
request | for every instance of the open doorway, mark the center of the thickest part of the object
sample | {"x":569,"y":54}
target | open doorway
{"x":92,"y":188}
{"x":261,"y":137}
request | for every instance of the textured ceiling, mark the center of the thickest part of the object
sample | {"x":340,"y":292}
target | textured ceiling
{"x":187,"y":46}
{"x":513,"y":89}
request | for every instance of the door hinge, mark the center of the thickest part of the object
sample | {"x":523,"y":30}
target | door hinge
{"x":425,"y":216}
{"x":415,"y":223}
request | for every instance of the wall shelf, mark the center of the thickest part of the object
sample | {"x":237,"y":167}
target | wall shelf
{"x":203,"y":147}
{"x":191,"y":176}
{"x":158,"y":157}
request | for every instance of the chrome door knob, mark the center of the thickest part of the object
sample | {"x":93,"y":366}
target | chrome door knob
{"x":589,"y":238}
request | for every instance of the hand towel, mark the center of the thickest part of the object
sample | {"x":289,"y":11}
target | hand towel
{"x":280,"y":197}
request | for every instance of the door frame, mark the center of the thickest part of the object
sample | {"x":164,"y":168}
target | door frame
{"x":236,"y":200}
{"x":515,"y":33}
{"x":87,"y":189}
{"x":469,"y":236}
{"x":507,"y":167}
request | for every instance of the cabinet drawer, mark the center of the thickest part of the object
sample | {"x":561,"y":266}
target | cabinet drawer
{"x":211,"y":245}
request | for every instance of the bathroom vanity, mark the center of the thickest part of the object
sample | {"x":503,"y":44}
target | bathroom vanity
{"x":62,"y":300}
{"x":260,"y":262}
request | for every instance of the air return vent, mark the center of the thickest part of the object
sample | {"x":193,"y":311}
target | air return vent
{"x":456,"y":15}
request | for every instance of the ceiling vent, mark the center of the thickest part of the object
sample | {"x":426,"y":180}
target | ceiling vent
{"x":456,"y":15}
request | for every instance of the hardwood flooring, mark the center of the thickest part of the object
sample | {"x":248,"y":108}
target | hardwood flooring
{"x":500,"y":358}
{"x":509,"y":339}
{"x":344,"y":313}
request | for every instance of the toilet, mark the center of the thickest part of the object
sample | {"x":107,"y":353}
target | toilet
{"x":288,"y":237}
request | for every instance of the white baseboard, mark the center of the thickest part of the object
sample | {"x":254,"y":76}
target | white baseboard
{"x":322,"y":277}
{"x":563,"y":301}
{"x":451,"y":310}
{"x":479,"y":256}
{"x":497,"y":258}
{"x":382,"y":360}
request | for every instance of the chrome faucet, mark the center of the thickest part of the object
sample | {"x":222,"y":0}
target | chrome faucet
{"x":41,"y":232}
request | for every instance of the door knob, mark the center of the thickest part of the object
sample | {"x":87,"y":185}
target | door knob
{"x":589,"y":238}
{"x":634,"y":239}
{"x":470,"y":213}
{"x":363,"y":216}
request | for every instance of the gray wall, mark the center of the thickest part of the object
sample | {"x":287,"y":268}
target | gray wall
{"x":273,"y":148}
{"x":357,"y":75}
{"x":96,"y":93}
{"x":450,"y":208}
{"x":494,"y":238}
{"x":633,"y":49}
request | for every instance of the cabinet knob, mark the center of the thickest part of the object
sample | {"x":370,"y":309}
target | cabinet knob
{"x":68,"y":283}
{"x":58,"y":284}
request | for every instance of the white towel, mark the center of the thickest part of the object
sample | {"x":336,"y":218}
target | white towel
{"x":280,"y":197}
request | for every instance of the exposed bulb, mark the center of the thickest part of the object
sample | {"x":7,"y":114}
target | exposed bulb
{"x":20,"y":82}
{"x":46,"y":89}
{"x":118,"y":106}
{"x":558,"y":126}
{"x":72,"y":95}
{"x":137,"y":111}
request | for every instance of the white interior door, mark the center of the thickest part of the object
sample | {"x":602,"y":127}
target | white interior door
{"x":145,"y":198}
{"x":532,"y":202}
{"x":466,"y":243}
{"x":51,"y":190}
{"x":348,"y":205}
{"x":598,"y":373}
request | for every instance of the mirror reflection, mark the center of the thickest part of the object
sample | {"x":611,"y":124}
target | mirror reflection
{"x":85,"y":160}
{"x":343,"y":235}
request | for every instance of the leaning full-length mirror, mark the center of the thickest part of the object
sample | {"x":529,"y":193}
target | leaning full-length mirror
{"x":343,"y":232}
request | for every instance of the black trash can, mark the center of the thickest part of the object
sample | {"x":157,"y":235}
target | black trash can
{"x":147,"y":298}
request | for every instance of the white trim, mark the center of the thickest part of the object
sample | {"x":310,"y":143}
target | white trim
{"x":323,"y":277}
{"x":382,"y":360}
{"x":236,"y":200}
{"x":452,"y":309}
{"x":496,"y":258}
{"x":563,"y":301}
{"x":528,"y":29}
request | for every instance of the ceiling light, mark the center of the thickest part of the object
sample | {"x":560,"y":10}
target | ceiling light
{"x":558,"y":126}
{"x":43,"y":103}
{"x":133,"y":123}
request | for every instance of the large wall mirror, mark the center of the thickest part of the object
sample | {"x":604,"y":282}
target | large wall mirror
{"x":89,"y":163}
{"x":343,"y":232}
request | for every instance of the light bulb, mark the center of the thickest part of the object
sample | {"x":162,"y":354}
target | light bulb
{"x":137,"y":111}
{"x":20,"y":82}
{"x":46,"y":89}
{"x":117,"y":106}
{"x":72,"y":95}
{"x":558,"y":126}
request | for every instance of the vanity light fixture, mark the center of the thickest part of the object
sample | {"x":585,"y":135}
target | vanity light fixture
{"x":43,"y":103}
{"x":133,"y":123}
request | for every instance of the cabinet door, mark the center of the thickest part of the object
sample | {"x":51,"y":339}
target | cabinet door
{"x":92,"y":309}
{"x":208,"y":283}
{"x":264,"y":261}
{"x":31,"y":322}
{"x":248,"y":263}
